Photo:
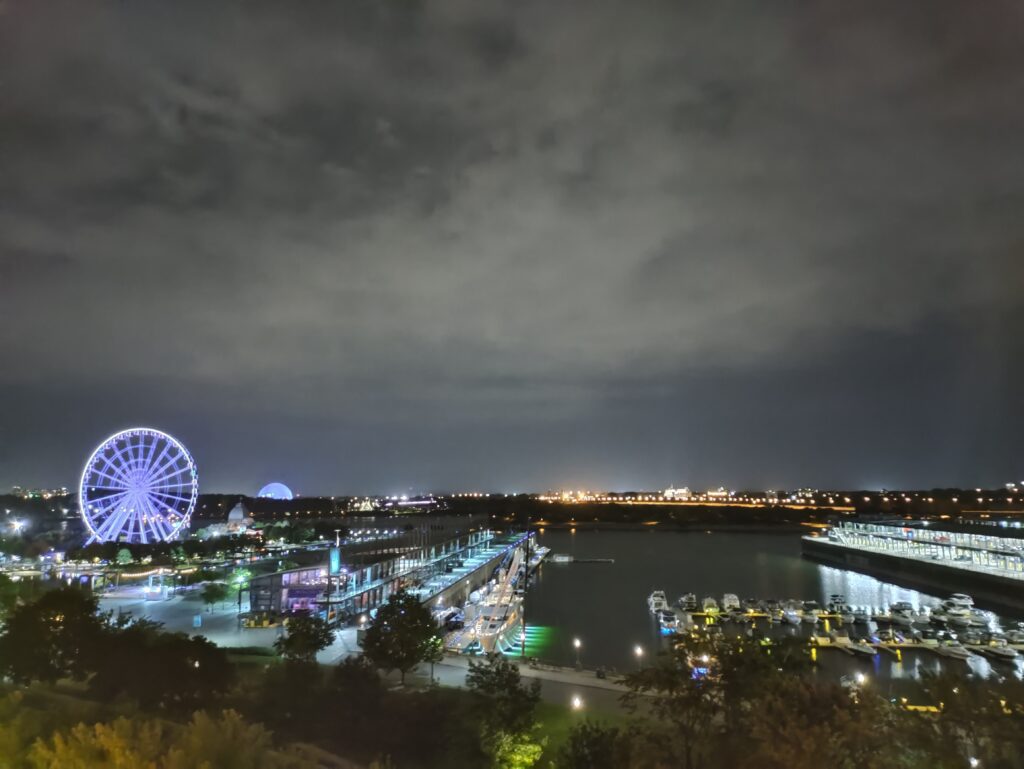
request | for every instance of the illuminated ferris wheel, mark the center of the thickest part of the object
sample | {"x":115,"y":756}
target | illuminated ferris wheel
{"x":140,"y":485}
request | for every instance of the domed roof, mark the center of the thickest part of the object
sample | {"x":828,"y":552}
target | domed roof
{"x":275,"y":491}
{"x":238,"y":513}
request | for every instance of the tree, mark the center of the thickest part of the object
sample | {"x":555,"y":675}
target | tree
{"x":507,"y":703}
{"x":215,"y":592}
{"x":801,"y":722}
{"x":689,"y":705}
{"x":226,"y":742}
{"x":55,"y":637}
{"x":400,"y":636}
{"x":594,"y":746}
{"x":240,"y":579}
{"x":124,"y":556}
{"x":155,"y":668}
{"x":434,"y":654}
{"x":357,"y":681}
{"x":8,"y":596}
{"x":514,"y":750}
{"x":306,"y":636}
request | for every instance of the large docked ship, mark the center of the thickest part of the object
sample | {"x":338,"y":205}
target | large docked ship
{"x":493,"y":623}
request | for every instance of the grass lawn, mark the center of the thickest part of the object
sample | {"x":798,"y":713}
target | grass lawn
{"x":556,"y":721}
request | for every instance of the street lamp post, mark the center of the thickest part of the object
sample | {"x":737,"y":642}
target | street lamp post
{"x":577,"y":644}
{"x":638,"y":650}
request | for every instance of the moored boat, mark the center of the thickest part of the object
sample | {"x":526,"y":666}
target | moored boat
{"x":997,"y":649}
{"x":688,"y":602}
{"x":656,"y":601}
{"x":730,"y":602}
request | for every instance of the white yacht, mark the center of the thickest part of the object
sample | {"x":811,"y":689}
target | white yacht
{"x":961,"y":599}
{"x":953,"y":614}
{"x":952,"y":649}
{"x":791,"y":615}
{"x":709,"y":605}
{"x":688,"y":602}
{"x":902,"y":615}
{"x":730,"y":602}
{"x":656,"y":601}
{"x":997,"y":649}
{"x":811,"y":612}
{"x":842,"y":639}
{"x":667,"y":620}
{"x":1015,"y":636}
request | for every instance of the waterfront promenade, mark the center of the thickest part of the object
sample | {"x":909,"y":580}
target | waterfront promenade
{"x":558,"y":684}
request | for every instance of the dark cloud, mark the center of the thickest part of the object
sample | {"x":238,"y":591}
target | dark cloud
{"x":368,"y":245}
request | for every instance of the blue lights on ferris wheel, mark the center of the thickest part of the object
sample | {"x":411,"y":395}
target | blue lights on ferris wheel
{"x":139,"y":485}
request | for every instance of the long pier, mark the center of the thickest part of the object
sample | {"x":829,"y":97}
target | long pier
{"x":929,"y":565}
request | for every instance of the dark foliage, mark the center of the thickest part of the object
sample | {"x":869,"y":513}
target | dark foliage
{"x":507,"y":703}
{"x":400,"y":636}
{"x":57,"y":636}
{"x":159,"y":669}
{"x":306,"y":636}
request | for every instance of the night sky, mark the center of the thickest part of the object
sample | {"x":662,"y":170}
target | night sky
{"x":374,"y":247}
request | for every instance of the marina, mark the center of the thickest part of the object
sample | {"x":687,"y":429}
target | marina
{"x":606,"y":608}
{"x":855,"y":631}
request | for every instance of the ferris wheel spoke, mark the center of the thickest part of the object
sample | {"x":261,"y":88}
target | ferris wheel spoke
{"x":121,"y":483}
{"x":157,"y":467}
{"x":114,"y":522}
{"x":170,"y":482}
{"x":167,"y":485}
{"x":158,"y":525}
{"x":141,"y":453}
{"x":130,"y":456}
{"x":116,"y":469}
{"x":151,"y":508}
{"x":174,"y":497}
{"x":153,"y":517}
{"x":167,"y":481}
{"x":108,"y":501}
{"x":150,"y":451}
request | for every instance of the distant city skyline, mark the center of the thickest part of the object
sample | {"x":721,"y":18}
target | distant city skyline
{"x":515,"y":246}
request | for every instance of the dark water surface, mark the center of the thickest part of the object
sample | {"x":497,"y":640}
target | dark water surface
{"x":605,"y":605}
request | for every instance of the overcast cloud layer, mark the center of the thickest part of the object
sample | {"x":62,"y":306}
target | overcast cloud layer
{"x":376,"y":246}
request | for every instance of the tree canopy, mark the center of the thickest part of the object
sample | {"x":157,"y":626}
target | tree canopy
{"x":306,"y":635}
{"x":57,"y":636}
{"x":215,"y":592}
{"x":723,"y":702}
{"x":399,"y":638}
{"x":226,"y":741}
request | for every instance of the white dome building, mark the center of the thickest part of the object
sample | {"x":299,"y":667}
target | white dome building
{"x":238,"y":518}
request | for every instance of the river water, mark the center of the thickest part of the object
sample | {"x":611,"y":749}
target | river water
{"x":605,"y":605}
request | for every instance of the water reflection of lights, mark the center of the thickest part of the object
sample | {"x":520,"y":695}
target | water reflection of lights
{"x":862,"y":591}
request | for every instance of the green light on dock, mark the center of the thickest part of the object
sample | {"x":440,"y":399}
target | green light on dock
{"x":539,"y":639}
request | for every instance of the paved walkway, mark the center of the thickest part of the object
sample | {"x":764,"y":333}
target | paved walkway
{"x":221,"y":626}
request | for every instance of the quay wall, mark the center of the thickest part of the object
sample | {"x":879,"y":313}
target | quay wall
{"x":988,"y":590}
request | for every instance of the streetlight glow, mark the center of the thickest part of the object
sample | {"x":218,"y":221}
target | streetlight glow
{"x":577,"y":702}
